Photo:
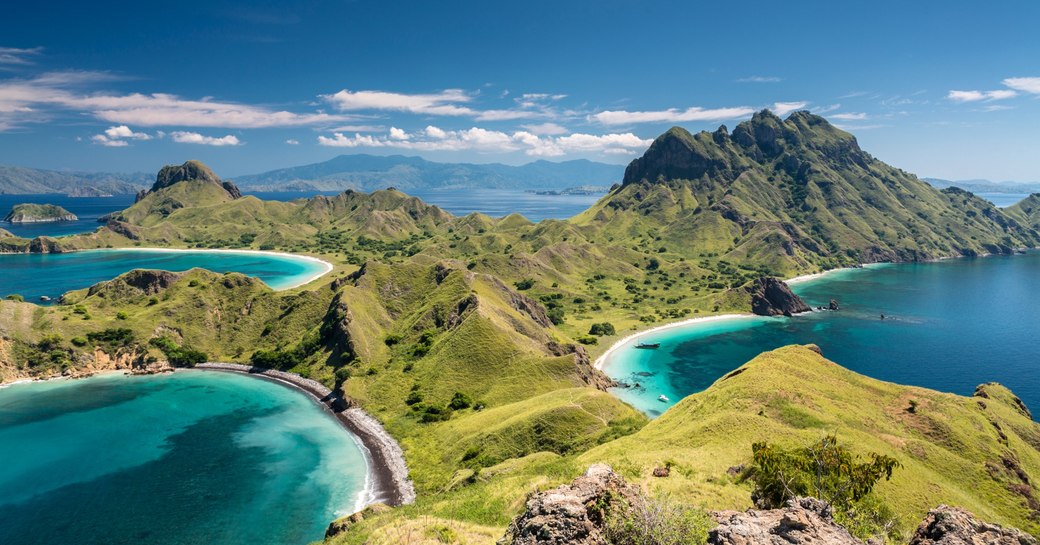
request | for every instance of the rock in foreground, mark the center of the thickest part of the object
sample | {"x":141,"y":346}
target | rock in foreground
{"x":946,"y":525}
{"x":570,"y":514}
{"x":804,"y":520}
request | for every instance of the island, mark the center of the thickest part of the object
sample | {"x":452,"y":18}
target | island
{"x":38,"y":213}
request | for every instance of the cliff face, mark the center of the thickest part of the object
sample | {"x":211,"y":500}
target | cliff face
{"x":773,"y":297}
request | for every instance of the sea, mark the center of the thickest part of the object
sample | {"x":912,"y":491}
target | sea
{"x":195,"y":457}
{"x":948,"y":325}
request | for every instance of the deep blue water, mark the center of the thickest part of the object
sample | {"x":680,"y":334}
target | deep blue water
{"x":493,"y":202}
{"x":35,"y":275}
{"x":949,"y":326}
{"x":189,"y":458}
{"x":88,"y":209}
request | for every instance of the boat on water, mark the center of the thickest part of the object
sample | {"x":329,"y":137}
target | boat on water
{"x":662,"y":398}
{"x":648,"y":345}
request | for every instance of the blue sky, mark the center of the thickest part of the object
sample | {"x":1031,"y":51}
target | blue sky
{"x":941,"y":89}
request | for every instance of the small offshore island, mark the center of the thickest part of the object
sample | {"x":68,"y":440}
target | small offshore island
{"x":38,"y":213}
{"x":468,"y":344}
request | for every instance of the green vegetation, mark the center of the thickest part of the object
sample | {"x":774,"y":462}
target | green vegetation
{"x":463,"y":335}
{"x":658,"y":521}
{"x":36,"y":213}
{"x":830,"y":472}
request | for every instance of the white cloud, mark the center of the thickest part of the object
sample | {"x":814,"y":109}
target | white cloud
{"x":59,"y":90}
{"x":15,"y":55}
{"x":551,"y":129}
{"x":398,"y":134}
{"x":975,"y":96}
{"x":850,"y":116}
{"x":760,"y":79}
{"x":1026,"y":85}
{"x":184,"y":137}
{"x":122,"y":131}
{"x":444,"y":103}
{"x":106,"y":141}
{"x":118,"y":136}
{"x":293,"y":142}
{"x":783,"y":108}
{"x":671,"y":115}
{"x":483,"y":140}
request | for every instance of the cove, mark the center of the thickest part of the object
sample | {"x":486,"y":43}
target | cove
{"x":192,"y":457}
{"x":949,"y":326}
{"x":51,"y":275}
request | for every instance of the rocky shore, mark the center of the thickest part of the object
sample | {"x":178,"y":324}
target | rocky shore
{"x":388,"y":471}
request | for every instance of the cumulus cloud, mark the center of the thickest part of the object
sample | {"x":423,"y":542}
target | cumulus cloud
{"x":483,"y":140}
{"x":1026,"y":85}
{"x":671,"y":115}
{"x":184,"y":137}
{"x":783,"y":108}
{"x":119,"y":136}
{"x":976,"y":96}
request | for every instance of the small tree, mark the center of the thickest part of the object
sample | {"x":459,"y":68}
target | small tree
{"x":602,"y":328}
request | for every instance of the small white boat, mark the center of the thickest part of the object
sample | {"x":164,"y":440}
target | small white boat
{"x":663,"y":398}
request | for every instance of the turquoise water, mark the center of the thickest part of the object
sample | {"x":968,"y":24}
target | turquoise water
{"x":949,"y":326}
{"x":189,"y":458}
{"x":35,"y":275}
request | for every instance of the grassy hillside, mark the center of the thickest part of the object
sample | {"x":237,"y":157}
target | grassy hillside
{"x":980,"y":453}
{"x":470,"y":337}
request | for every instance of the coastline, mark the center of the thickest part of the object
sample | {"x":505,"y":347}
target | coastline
{"x":387,"y":478}
{"x":601,"y":361}
{"x":326,"y":266}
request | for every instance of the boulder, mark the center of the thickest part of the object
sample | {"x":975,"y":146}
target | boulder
{"x":833,"y":305}
{"x":571,"y":514}
{"x":803,"y":521}
{"x":773,"y":297}
{"x":946,"y":525}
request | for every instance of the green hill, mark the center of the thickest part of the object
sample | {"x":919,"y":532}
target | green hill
{"x":792,"y":195}
{"x":29,"y":181}
{"x":466,"y":336}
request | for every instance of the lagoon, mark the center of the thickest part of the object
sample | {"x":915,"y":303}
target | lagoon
{"x":949,"y":326}
{"x":51,"y":275}
{"x":192,"y":457}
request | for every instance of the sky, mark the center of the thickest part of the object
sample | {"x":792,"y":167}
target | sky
{"x":942,"y":89}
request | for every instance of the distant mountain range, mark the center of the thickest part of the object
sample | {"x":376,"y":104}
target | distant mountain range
{"x":986,"y":186}
{"x":29,"y":181}
{"x":370,"y":172}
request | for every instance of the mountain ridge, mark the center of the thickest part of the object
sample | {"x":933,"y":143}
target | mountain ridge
{"x":369,"y":172}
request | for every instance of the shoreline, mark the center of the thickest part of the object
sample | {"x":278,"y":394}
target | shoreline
{"x":601,"y":361}
{"x":387,"y":478}
{"x":326,"y":266}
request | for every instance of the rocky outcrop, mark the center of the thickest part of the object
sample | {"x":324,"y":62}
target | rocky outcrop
{"x":773,"y":297}
{"x":143,"y":282}
{"x":571,"y":514}
{"x":946,"y":525}
{"x":343,"y":524}
{"x":38,"y":213}
{"x":190,"y":170}
{"x":803,"y":521}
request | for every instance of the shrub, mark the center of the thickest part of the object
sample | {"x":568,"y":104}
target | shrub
{"x":121,"y":315}
{"x":112,"y":337}
{"x":460,"y":401}
{"x":588,"y":340}
{"x":603,"y":328}
{"x":16,"y":297}
{"x":392,"y":339}
{"x":830,"y":472}
{"x":555,"y":315}
{"x":179,"y":356}
{"x":657,"y":521}
{"x":78,"y":341}
{"x":525,"y":284}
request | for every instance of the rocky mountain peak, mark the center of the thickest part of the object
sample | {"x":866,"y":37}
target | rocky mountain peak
{"x":191,"y":171}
